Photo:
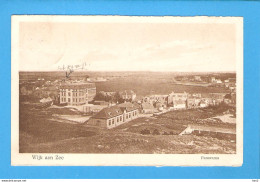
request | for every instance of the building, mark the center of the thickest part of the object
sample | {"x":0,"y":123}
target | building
{"x":148,"y":108}
{"x":160,"y":105}
{"x":179,"y":104}
{"x":197,"y":78}
{"x":176,"y":96}
{"x":77,"y":93}
{"x":193,"y":102}
{"x":128,"y":95}
{"x":217,"y":98}
{"x":113,"y":116}
{"x":203,"y":104}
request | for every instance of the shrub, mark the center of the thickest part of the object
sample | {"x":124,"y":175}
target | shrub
{"x":145,"y":132}
{"x":156,"y":132}
{"x":165,"y":133}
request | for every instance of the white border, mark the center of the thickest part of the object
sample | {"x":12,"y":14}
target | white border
{"x":124,"y":159}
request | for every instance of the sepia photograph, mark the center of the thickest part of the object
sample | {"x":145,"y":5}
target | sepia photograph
{"x":122,"y":90}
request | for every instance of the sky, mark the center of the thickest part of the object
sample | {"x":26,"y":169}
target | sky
{"x":171,"y":47}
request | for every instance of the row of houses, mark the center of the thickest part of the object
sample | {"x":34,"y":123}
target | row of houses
{"x":183,"y":100}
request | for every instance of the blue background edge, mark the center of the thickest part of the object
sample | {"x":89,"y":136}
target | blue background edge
{"x":250,"y":10}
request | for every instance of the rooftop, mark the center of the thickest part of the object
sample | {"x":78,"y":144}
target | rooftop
{"x":114,"y":111}
{"x":109,"y":112}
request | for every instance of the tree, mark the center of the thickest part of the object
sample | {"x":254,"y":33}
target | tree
{"x":100,"y":96}
{"x":117,"y":98}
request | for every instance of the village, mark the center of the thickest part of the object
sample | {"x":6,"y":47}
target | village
{"x":116,"y":110}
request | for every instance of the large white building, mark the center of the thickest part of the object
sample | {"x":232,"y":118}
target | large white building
{"x":77,"y":93}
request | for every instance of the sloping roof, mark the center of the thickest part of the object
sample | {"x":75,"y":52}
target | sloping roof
{"x":128,"y":106}
{"x":109,"y":112}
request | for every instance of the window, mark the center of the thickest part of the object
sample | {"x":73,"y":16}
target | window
{"x":69,"y":93}
{"x":109,"y":122}
{"x":113,"y":121}
{"x":117,"y":119}
{"x":68,"y":99}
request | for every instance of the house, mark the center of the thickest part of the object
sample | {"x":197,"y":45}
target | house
{"x":128,"y":95}
{"x":193,"y":102}
{"x":148,"y":108}
{"x":152,"y":99}
{"x":44,"y":100}
{"x":160,"y":105}
{"x":107,"y":94}
{"x":197,"y":78}
{"x":176,"y":96}
{"x":227,"y":99}
{"x":179,"y":104}
{"x":217,"y":98}
{"x":203,"y":104}
{"x":113,"y":116}
{"x":77,"y":93}
{"x":218,"y":81}
{"x":213,"y":80}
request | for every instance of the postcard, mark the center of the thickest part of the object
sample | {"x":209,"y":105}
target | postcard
{"x":126,"y":91}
